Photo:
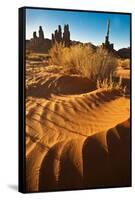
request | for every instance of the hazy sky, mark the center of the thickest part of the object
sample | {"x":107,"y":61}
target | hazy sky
{"x":84,"y":26}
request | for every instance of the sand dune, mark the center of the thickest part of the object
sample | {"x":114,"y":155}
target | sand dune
{"x":80,"y":160}
{"x":75,"y":134}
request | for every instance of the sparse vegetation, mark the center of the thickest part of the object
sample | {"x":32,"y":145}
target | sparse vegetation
{"x":82,"y":59}
{"x":97,"y":65}
{"x":56,"y":54}
{"x":110,"y":84}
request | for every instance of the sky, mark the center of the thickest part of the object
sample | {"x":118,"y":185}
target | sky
{"x":84,"y":26}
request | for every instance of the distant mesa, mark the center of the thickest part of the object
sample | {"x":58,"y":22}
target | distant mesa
{"x":41,"y":44}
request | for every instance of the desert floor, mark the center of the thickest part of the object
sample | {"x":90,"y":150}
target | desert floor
{"x":77,"y":136}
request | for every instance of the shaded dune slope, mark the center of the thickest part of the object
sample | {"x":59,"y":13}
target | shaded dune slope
{"x":49,"y":84}
{"x":101,"y":160}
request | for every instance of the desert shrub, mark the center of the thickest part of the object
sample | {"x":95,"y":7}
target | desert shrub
{"x":104,"y":64}
{"x":108,"y":83}
{"x":56,"y":54}
{"x":78,"y":59}
{"x":83,"y":60}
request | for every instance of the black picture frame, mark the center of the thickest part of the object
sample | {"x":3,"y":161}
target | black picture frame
{"x":22,"y":96}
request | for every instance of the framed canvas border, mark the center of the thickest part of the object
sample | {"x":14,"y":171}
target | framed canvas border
{"x":22,"y":95}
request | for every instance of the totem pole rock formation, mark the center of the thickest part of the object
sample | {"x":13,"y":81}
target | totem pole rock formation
{"x":66,"y":36}
{"x":41,"y":34}
{"x":35,"y":35}
{"x":57,"y":36}
{"x":107,"y":45}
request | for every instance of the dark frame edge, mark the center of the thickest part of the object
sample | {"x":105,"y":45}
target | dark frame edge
{"x":76,"y":10}
{"x":131,"y":51}
{"x":21,"y":98}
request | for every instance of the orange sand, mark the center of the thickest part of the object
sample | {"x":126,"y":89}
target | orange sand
{"x":73,"y":139}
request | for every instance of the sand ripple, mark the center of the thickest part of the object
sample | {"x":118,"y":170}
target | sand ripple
{"x":75,"y":137}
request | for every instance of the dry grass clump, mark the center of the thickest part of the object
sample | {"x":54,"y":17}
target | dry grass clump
{"x":83,"y":60}
{"x":97,"y":66}
{"x":110,"y":84}
{"x":78,"y":59}
{"x":56,"y":54}
{"x":104,"y":64}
